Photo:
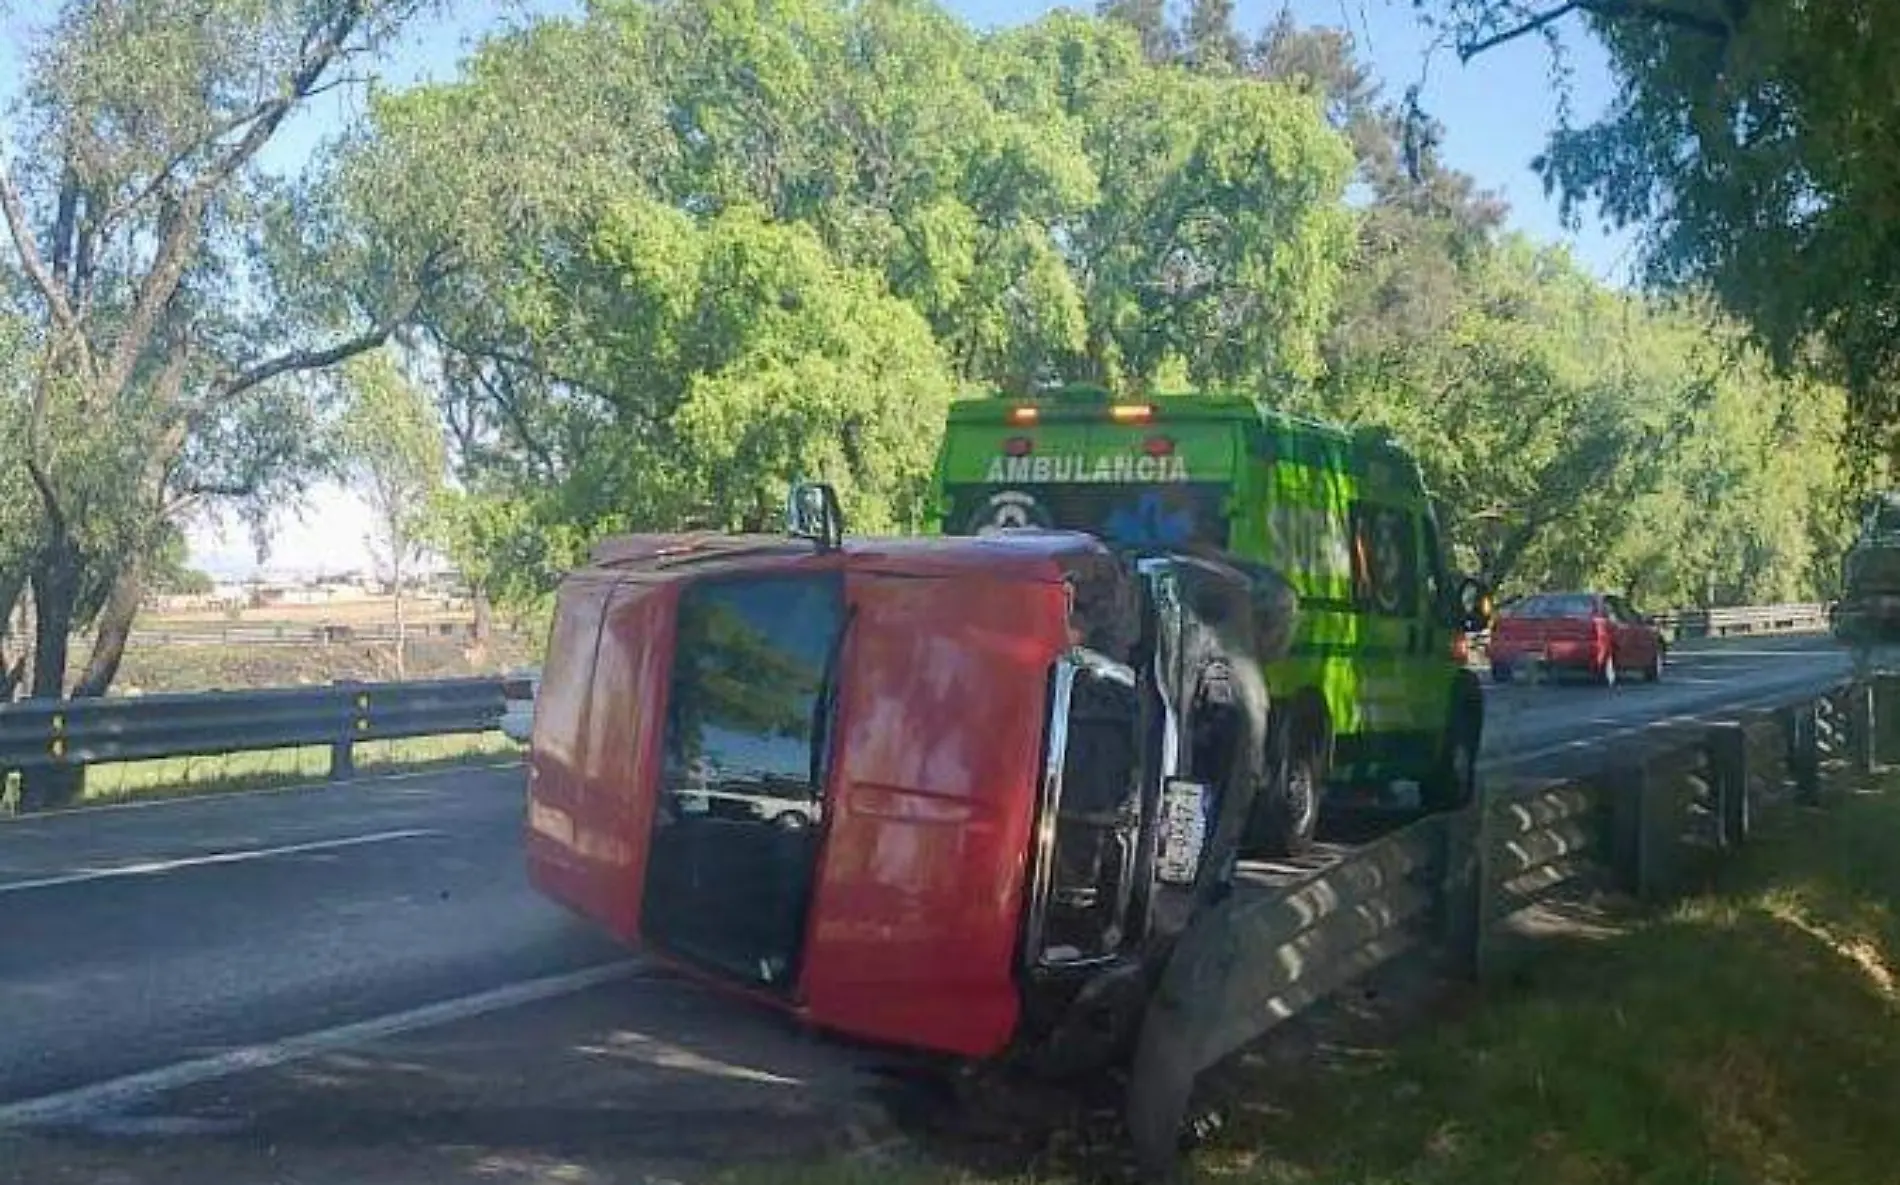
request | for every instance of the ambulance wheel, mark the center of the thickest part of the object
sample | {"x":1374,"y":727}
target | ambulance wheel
{"x":1453,"y":783}
{"x":1287,"y":814}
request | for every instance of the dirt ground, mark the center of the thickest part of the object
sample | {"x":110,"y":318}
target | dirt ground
{"x":368,"y":611}
{"x":150,"y":669}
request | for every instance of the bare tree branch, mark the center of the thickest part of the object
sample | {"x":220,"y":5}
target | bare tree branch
{"x":179,"y":236}
{"x":301,"y":360}
{"x":1613,"y":9}
{"x":164,"y":174}
{"x":23,"y":243}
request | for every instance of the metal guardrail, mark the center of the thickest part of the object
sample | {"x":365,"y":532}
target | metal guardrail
{"x":76,"y":733}
{"x":1450,"y":884}
{"x":1754,"y":619}
{"x":1677,"y":624}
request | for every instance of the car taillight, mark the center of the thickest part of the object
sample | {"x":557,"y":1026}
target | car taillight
{"x":1460,"y":648}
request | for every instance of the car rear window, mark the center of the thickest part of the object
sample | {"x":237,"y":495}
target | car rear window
{"x":1554,"y":605}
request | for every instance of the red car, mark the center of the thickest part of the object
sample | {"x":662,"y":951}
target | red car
{"x":1594,"y":633}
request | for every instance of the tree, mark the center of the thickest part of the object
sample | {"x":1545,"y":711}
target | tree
{"x":1220,"y":239}
{"x":1572,"y":437}
{"x":1752,"y":141}
{"x":19,"y":521}
{"x":1208,"y":41}
{"x":751,"y":243}
{"x":173,"y":289}
{"x":1149,"y":20}
{"x":169,"y":568}
{"x":393,"y":454}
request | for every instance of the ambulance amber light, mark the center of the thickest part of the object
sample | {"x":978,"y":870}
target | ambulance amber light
{"x":1131,"y":413}
{"x":1022,"y":415}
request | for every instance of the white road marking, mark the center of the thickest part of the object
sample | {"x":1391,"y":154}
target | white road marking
{"x":98,"y":1098}
{"x":213,"y":796}
{"x":155,"y":867}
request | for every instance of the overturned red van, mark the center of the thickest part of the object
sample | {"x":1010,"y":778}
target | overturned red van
{"x":957,"y":795}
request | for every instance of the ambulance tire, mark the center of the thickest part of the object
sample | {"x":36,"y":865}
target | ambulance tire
{"x":1286,"y":814}
{"x":1453,"y":783}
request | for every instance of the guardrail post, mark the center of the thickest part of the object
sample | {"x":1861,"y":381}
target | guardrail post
{"x":1728,"y":777}
{"x":1645,"y":825}
{"x":343,"y":760}
{"x":1862,"y":718}
{"x":1626,"y":786}
{"x":1884,"y":710}
{"x":1464,"y":888}
{"x":1804,"y":752}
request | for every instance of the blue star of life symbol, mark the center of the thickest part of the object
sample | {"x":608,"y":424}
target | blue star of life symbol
{"x":1149,"y":523}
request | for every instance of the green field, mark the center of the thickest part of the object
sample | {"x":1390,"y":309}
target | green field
{"x":1748,"y":1034}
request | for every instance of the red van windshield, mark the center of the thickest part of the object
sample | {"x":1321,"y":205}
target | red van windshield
{"x":734,"y":848}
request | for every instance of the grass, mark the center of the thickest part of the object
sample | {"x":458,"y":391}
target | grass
{"x":181,"y":777}
{"x":1747,"y":1035}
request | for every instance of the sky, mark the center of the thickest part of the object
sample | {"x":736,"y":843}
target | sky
{"x":1497,"y":113}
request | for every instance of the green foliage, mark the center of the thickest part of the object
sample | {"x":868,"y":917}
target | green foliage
{"x":666,"y":258}
{"x":769,"y":242}
{"x":390,"y":440}
{"x":1753,"y":143}
{"x":172,"y":291}
{"x":169,"y":570}
{"x":1575,"y":437}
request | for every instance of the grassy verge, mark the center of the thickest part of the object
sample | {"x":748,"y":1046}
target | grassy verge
{"x":1750,"y":1034}
{"x":180,"y":777}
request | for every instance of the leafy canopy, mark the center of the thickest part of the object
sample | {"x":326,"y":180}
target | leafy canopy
{"x":1754,"y":144}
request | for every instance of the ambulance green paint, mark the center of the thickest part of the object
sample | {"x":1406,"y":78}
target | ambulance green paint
{"x":1344,"y":517}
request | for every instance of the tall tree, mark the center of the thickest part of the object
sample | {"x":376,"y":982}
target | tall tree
{"x":716,"y":250}
{"x":393,"y":454}
{"x":170,"y":281}
{"x":1752,"y":142}
{"x":1208,"y":39}
{"x":1149,"y":20}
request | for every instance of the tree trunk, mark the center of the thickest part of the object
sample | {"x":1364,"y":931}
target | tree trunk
{"x":11,"y":670}
{"x":402,"y":640}
{"x":483,"y":628}
{"x":55,"y":583}
{"x":115,"y":629}
{"x":55,"y":600}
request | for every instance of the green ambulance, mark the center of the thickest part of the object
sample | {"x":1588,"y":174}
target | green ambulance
{"x":1375,"y":690}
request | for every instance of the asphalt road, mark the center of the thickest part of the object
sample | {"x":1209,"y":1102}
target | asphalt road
{"x":1560,"y":729}
{"x":131,"y":938}
{"x":135,"y":939}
